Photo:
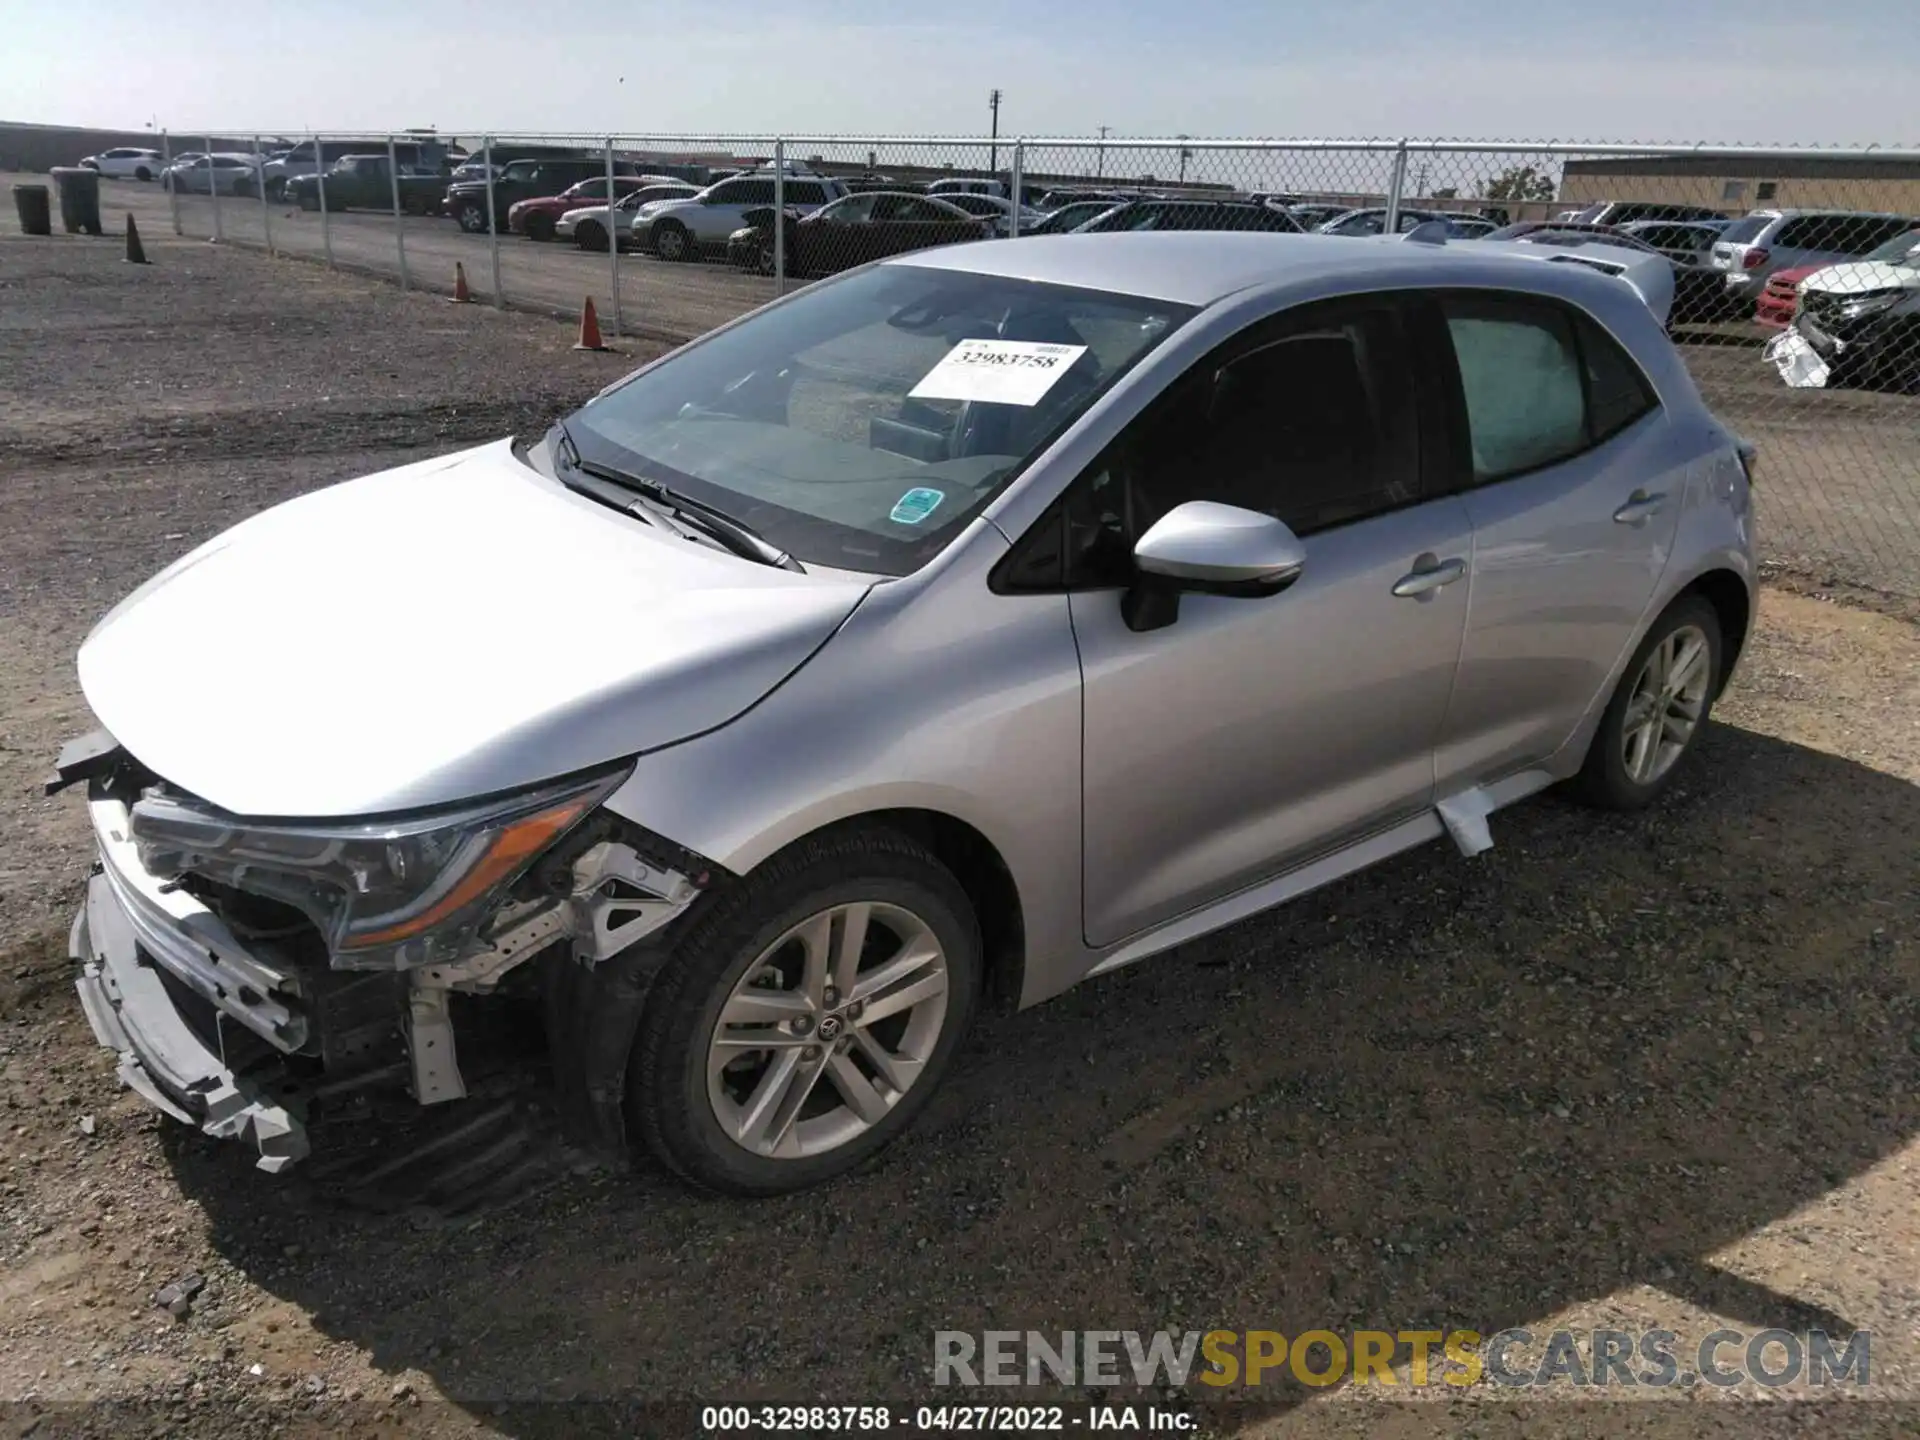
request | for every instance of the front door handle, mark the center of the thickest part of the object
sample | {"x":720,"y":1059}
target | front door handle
{"x":1428,"y":576}
{"x":1640,"y":508}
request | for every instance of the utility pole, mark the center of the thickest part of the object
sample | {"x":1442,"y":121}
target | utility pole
{"x":993,"y":148}
{"x":1101,"y":154}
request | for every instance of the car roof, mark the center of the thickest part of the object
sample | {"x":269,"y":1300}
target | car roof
{"x":1200,"y":267}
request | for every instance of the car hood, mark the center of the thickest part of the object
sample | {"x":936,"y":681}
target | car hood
{"x":1856,"y":277}
{"x":425,"y":635}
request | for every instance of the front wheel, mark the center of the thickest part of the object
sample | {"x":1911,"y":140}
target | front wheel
{"x":1656,"y":715}
{"x":671,"y":241}
{"x":473,"y":219}
{"x":142,"y":173}
{"x":805,"y":1021}
{"x":590,"y":235}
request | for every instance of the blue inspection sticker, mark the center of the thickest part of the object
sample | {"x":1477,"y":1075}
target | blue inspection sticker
{"x":916,"y":505}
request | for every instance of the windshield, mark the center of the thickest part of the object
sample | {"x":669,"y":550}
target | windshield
{"x":1747,"y":227}
{"x":861,"y":424}
{"x":1899,"y":250}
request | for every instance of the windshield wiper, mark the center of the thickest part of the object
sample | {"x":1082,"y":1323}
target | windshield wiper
{"x":716,"y":525}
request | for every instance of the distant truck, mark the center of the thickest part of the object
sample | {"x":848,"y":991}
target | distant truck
{"x":364,"y":182}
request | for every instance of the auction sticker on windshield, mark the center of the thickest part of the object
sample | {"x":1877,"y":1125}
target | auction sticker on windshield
{"x":999,"y":372}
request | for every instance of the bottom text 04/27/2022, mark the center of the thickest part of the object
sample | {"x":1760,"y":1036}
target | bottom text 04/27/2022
{"x":943,"y":1419}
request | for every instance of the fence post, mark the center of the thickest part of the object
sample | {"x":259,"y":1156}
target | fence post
{"x":213,"y":189}
{"x":1019,"y":169}
{"x":399,"y":214}
{"x":173,"y":194}
{"x":779,"y":217}
{"x":493,"y":228}
{"x":1396,"y":190}
{"x":320,"y":187}
{"x":260,"y":184}
{"x":613,"y":242}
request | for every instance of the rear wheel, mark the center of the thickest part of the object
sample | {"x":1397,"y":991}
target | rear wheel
{"x":142,"y":173}
{"x":804,"y":1022}
{"x":590,"y":235}
{"x":1656,"y":715}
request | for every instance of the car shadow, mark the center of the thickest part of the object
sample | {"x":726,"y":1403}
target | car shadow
{"x":1448,"y":1093}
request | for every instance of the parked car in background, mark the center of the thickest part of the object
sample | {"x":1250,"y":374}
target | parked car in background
{"x":365,"y":182}
{"x":1373,"y":220}
{"x":538,"y":218}
{"x":1780,"y":300}
{"x":413,"y":157}
{"x":1753,"y":247}
{"x":527,"y":179}
{"x":213,"y":174}
{"x":1379,"y":542}
{"x":1311,"y":215}
{"x":126,"y":163}
{"x":1070,"y":217}
{"x":1625,"y":212}
{"x":967,"y":185}
{"x":1686,"y":242}
{"x":995,"y":210}
{"x":589,"y":225}
{"x":1053,"y":200}
{"x":1191,"y":215}
{"x":686,"y":228}
{"x":1863,"y":316}
{"x":853,"y":230}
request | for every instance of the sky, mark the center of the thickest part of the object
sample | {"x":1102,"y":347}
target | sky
{"x":1716,"y":71}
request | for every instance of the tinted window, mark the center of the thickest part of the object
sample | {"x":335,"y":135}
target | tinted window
{"x":1747,"y":228}
{"x":757,"y":192}
{"x":1317,"y":427}
{"x":803,"y":192}
{"x":1617,"y":393}
{"x":1520,"y":378}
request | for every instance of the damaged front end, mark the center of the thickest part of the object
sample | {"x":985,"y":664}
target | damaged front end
{"x":244,"y":970}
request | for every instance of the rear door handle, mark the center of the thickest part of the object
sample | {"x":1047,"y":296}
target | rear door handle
{"x":1429,"y":577}
{"x":1640,"y":508}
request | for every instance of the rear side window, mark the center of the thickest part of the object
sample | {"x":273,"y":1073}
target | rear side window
{"x":804,"y":192}
{"x":1746,"y":229}
{"x":1540,"y":384}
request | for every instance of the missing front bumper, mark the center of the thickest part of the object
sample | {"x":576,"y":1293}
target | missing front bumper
{"x":162,"y":1058}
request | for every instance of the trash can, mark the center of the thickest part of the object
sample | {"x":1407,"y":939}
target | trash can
{"x":79,"y":198}
{"x":36,"y":213}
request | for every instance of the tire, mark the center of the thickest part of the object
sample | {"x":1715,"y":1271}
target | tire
{"x":590,"y":235}
{"x":1617,"y":775}
{"x":142,"y":174}
{"x":674,"y":1103}
{"x":473,"y":218}
{"x":540,"y":227}
{"x":309,"y":201}
{"x":672,"y":241}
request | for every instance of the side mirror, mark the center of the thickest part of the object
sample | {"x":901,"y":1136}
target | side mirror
{"x":1211,"y":548}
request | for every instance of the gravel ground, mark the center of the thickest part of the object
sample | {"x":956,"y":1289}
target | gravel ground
{"x":1643,"y":1071}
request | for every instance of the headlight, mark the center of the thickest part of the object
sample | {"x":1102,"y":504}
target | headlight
{"x":385,"y":894}
{"x":1872,"y":303}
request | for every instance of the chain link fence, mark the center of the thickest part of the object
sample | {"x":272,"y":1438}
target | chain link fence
{"x":1796,"y":277}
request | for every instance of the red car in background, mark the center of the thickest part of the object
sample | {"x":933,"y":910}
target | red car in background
{"x":1781,"y":299}
{"x":535,"y":218}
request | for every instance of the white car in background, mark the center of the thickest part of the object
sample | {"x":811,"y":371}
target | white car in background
{"x":214,"y":174}
{"x":587,"y":226}
{"x":681,"y":229}
{"x":127,"y":163}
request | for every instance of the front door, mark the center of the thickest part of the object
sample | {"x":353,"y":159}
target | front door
{"x":1575,"y":499}
{"x":1252,"y":734}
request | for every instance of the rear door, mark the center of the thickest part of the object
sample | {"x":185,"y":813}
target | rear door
{"x":1560,"y":457}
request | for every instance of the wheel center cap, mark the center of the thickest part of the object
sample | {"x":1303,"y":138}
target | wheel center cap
{"x":831,"y":1026}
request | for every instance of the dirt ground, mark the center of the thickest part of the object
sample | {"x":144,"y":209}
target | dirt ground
{"x":1631,"y":1071}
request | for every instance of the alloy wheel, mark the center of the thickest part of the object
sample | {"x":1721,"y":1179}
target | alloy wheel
{"x":1669,"y":698}
{"x":827,"y":1029}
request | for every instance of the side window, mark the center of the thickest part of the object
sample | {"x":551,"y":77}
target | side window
{"x":1317,"y":426}
{"x":1520,"y":377}
{"x":804,"y":192}
{"x":1808,"y":232}
{"x":730,"y":192}
{"x":756,"y":192}
{"x":1617,"y":393}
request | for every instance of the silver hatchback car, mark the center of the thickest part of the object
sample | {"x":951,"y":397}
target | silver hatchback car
{"x":937,"y":637}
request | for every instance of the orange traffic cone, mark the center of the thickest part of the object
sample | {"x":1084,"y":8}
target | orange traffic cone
{"x":136,"y":252}
{"x":461,"y":295}
{"x":590,"y":329}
